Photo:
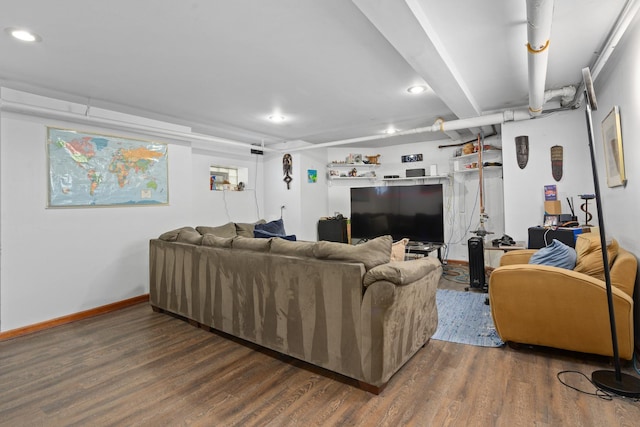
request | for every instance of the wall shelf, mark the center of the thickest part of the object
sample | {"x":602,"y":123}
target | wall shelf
{"x":485,"y":168}
{"x":352,"y":165}
{"x":417,"y":178}
{"x":475,"y":155}
{"x":352,"y":178}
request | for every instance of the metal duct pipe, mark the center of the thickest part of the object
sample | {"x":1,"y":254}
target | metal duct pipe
{"x":567,"y":93}
{"x":539,"y":18}
{"x":439,"y":125}
{"x":49,"y":113}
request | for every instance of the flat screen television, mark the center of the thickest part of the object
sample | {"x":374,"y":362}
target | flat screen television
{"x":411,"y":211}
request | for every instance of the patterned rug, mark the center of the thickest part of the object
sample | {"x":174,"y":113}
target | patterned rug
{"x":463,"y":317}
{"x":458,"y":274}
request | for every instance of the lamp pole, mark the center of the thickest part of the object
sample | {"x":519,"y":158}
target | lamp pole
{"x":613,"y":381}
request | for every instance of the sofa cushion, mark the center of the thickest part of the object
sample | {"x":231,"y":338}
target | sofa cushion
{"x":189,"y":236}
{"x":216,"y":241}
{"x":371,"y":253}
{"x":286,"y":247}
{"x":172,"y":236}
{"x":398,"y":249}
{"x":261,"y":234}
{"x":245,"y":229}
{"x":557,"y":254}
{"x":589,"y":254}
{"x":249,"y":243}
{"x":274,"y":227}
{"x":227,"y":230}
{"x":400,"y":273}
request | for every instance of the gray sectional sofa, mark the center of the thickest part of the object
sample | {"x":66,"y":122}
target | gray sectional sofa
{"x":344,"y":308}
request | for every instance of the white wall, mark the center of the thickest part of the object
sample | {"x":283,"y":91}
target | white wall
{"x":619,"y":84}
{"x":461,"y":201}
{"x":56,"y":262}
{"x":219,"y":207}
{"x":524,"y":188}
{"x":304,"y":202}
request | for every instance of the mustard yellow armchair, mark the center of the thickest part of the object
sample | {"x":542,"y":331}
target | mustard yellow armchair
{"x":560,"y":308}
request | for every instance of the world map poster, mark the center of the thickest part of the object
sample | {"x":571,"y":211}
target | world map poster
{"x":97,"y":170}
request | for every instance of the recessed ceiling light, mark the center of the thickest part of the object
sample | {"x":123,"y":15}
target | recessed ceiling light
{"x":390,"y":131}
{"x":22,"y":34}
{"x":417,"y":89}
{"x":277,"y":118}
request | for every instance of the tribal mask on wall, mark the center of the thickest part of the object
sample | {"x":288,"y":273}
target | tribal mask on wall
{"x":522,"y":150}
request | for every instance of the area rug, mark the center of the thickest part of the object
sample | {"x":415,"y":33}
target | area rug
{"x":458,"y":274}
{"x":463,"y":317}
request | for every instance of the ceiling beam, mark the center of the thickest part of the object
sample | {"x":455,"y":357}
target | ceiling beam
{"x":406,"y":25}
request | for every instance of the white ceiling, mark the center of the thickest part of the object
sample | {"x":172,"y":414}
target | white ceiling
{"x":336,"y":69}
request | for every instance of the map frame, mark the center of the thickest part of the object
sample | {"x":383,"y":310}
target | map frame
{"x":110,"y":194}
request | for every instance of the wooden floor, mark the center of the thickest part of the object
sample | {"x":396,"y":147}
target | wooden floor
{"x":137,"y":367}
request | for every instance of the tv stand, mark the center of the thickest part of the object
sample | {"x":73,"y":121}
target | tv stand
{"x":424,"y":248}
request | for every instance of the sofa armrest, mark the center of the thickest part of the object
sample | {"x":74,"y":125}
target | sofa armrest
{"x":520,"y":256}
{"x":398,"y":319}
{"x":560,"y":308}
{"x":401,"y":273}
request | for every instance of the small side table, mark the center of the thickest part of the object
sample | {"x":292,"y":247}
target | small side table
{"x":424,"y":249}
{"x":518,"y":246}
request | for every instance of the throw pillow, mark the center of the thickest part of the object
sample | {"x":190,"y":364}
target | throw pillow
{"x":274,"y":227}
{"x":372,"y":253}
{"x":251,"y":244}
{"x":227,"y":230}
{"x":286,"y":247}
{"x":246,"y":229}
{"x":217,"y":242}
{"x":589,"y":254}
{"x":172,"y":236}
{"x":189,"y":236}
{"x":261,"y":234}
{"x":398,"y":249}
{"x":557,"y":254}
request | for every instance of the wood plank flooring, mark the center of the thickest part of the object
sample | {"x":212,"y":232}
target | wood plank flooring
{"x":137,"y":367}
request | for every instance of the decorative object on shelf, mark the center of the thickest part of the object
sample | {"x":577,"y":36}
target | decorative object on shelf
{"x":93,"y":170}
{"x":556,"y":162}
{"x":407,"y":158}
{"x":585,"y":208}
{"x":467,"y":148}
{"x":613,"y":154}
{"x":287,"y":169}
{"x":312,"y":176}
{"x":522,"y":150}
{"x":373,"y":160}
{"x":353,"y":158}
{"x":353,"y":172}
{"x":241,"y":186}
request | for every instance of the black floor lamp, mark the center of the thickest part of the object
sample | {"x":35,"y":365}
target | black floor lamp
{"x":613,"y":381}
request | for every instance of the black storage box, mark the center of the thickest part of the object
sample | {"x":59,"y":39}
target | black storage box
{"x":537,"y":236}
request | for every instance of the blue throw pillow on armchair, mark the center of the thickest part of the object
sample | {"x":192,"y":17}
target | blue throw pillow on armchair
{"x":274,"y":227}
{"x":557,"y":254}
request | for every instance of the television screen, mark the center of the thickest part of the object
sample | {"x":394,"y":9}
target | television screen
{"x":411,"y":211}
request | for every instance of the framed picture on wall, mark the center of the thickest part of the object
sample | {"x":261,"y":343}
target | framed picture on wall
{"x":613,"y":152}
{"x":92,"y":170}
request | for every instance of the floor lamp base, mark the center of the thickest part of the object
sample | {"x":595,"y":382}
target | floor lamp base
{"x":628,"y":386}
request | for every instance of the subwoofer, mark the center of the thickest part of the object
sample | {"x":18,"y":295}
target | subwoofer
{"x":476,"y":264}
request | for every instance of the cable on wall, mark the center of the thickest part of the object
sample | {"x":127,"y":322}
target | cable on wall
{"x":255,"y":185}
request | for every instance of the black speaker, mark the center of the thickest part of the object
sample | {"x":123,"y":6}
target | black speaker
{"x":476,"y":264}
{"x":415,"y":172}
{"x":333,"y":230}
